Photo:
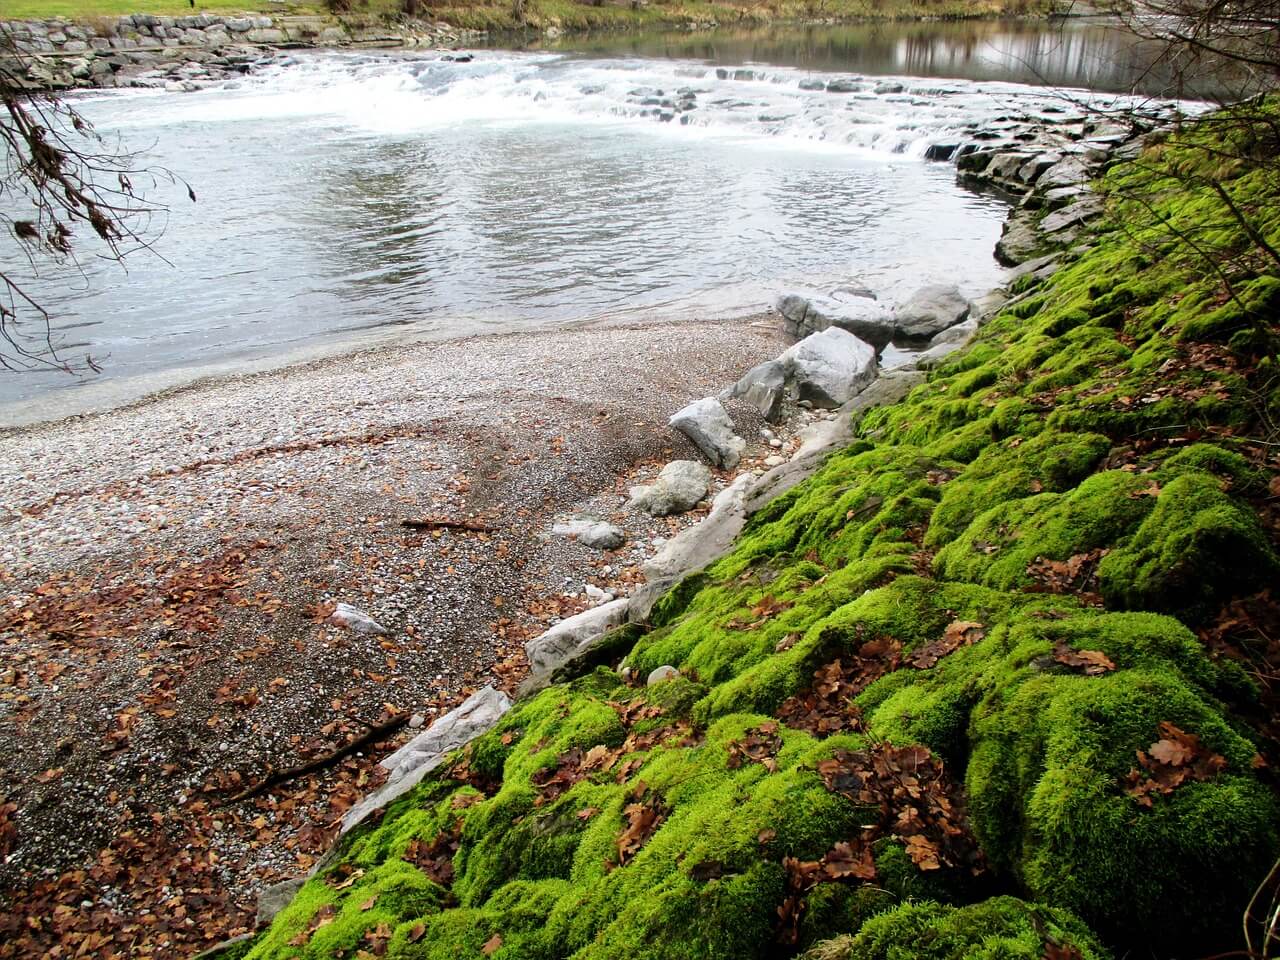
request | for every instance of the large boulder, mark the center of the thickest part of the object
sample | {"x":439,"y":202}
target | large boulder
{"x":1020,"y":240}
{"x":831,"y":367}
{"x":764,"y":387}
{"x":849,"y":309}
{"x":707,"y":424}
{"x":679,"y":487}
{"x":929,"y":311}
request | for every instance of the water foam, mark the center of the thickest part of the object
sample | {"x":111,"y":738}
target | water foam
{"x":757,"y":107}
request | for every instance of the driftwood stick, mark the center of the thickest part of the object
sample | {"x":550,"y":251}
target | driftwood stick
{"x":277,"y":777}
{"x":444,"y":523}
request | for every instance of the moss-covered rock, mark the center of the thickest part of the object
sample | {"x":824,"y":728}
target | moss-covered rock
{"x":1002,"y":928}
{"x":1197,"y":547}
{"x":1009,"y":563}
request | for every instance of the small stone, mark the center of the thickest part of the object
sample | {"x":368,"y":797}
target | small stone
{"x":355,"y":620}
{"x":776,"y":460}
{"x":592,"y":532}
{"x":416,"y":721}
{"x":680,"y":485}
{"x":659,"y":674}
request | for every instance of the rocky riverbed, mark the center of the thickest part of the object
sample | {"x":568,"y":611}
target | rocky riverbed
{"x":169,"y":570}
{"x":173,"y":635}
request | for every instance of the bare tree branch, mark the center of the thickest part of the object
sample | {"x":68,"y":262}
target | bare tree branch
{"x":64,"y":190}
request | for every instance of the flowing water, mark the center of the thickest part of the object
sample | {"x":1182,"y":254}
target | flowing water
{"x":355,"y":198}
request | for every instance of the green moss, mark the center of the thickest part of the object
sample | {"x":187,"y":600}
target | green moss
{"x":1196,"y":548}
{"x":1256,"y":303}
{"x":1013,"y":470}
{"x":1058,"y":431}
{"x":1002,"y":928}
{"x":1049,"y":755}
{"x":998,"y":546}
{"x":1233,"y":470}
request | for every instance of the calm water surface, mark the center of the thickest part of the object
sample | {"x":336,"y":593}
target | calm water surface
{"x":353,"y":198}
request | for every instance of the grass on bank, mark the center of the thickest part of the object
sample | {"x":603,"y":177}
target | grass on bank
{"x":81,"y":10}
{"x":542,"y":13}
{"x":1087,"y":491}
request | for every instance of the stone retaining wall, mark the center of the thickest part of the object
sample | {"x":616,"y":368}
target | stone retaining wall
{"x":112,"y":51}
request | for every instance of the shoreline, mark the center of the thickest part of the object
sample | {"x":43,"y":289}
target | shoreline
{"x":58,"y":53}
{"x":260,"y":498}
{"x":76,"y":404}
{"x":241,"y":506}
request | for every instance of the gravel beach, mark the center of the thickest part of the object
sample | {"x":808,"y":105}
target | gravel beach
{"x":168,"y":568}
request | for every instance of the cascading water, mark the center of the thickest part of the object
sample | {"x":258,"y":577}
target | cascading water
{"x":348,"y":197}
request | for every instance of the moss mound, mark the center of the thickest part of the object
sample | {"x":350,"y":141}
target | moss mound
{"x":1002,"y":928}
{"x":958,"y":663}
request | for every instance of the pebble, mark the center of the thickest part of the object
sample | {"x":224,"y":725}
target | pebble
{"x":659,"y":674}
{"x":84,"y":495}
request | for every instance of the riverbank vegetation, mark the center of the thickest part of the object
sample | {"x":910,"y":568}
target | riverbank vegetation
{"x":564,"y":14}
{"x":999,"y":680}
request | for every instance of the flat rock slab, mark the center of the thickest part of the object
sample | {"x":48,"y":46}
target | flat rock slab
{"x":679,"y":487}
{"x":695,"y":547}
{"x":1068,"y":172}
{"x":1073,"y":215}
{"x":478,"y":714}
{"x":707,"y":424}
{"x":572,"y":637}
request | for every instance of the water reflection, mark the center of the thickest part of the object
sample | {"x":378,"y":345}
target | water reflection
{"x":1078,"y":52}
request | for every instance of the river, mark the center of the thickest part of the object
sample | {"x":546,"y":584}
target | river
{"x":355,"y":198}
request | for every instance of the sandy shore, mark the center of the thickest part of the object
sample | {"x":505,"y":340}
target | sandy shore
{"x":164,"y":566}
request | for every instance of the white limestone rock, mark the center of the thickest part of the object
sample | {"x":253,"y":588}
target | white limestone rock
{"x":408,"y":765}
{"x":707,"y":424}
